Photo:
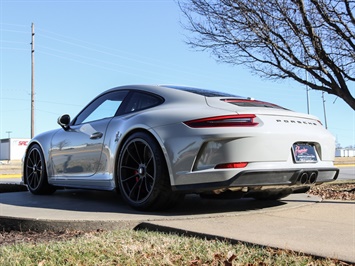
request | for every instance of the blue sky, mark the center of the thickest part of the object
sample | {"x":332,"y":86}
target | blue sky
{"x":85,"y":47}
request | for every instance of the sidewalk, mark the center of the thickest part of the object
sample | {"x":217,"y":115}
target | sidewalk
{"x":325,"y":229}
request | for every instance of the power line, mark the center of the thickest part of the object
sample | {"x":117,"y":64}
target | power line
{"x":127,"y":56}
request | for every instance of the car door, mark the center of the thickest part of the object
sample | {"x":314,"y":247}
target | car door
{"x":76,"y":151}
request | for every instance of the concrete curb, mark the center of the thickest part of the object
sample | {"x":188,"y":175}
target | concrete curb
{"x":79,"y":217}
{"x":23,"y":224}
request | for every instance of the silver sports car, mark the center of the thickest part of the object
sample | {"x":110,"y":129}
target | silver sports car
{"x":154,"y":144}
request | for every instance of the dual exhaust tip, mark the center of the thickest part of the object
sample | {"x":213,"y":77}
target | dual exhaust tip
{"x":307,"y":177}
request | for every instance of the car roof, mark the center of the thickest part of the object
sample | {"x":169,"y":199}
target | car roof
{"x":176,"y":93}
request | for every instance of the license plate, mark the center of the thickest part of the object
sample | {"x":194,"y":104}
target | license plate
{"x":304,"y":153}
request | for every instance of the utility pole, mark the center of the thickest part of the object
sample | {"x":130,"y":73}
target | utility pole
{"x":307,"y":87}
{"x":32,"y":80}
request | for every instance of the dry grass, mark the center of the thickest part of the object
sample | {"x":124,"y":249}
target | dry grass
{"x":344,"y":160}
{"x":128,"y":247}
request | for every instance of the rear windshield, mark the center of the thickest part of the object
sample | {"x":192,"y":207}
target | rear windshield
{"x":252,"y":103}
{"x":203,"y":92}
{"x":232,"y":99}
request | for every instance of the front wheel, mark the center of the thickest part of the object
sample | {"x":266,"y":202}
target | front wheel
{"x":35,"y":174}
{"x":143,"y":176}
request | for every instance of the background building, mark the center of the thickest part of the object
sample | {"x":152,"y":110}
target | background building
{"x":340,"y":152}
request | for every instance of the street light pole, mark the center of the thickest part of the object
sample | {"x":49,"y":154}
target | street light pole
{"x":325,"y":115}
{"x":307,"y":91}
{"x":8,"y":133}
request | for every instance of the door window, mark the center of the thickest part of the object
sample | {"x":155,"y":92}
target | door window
{"x":105,"y":106}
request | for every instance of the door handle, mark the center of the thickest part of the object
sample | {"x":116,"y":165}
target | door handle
{"x":96,"y":135}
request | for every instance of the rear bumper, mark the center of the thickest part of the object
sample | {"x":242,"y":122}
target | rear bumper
{"x":267,"y":178}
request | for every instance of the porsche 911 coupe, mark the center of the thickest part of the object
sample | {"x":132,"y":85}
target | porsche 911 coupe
{"x":155,"y":144}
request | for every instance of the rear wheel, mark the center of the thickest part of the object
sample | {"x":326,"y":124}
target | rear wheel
{"x":143,"y":176}
{"x":35,"y":173}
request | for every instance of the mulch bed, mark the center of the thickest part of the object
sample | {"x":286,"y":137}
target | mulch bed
{"x":335,"y":191}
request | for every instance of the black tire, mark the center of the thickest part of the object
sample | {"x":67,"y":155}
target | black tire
{"x":142,"y":173}
{"x":35,"y":172}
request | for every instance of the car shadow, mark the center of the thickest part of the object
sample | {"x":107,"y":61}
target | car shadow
{"x":110,"y":202}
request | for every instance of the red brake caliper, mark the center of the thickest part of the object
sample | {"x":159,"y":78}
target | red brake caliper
{"x":137,"y":177}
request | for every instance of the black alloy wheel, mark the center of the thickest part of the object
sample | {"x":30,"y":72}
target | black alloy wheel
{"x":35,"y":172}
{"x":142,"y":174}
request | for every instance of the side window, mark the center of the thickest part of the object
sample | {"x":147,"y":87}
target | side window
{"x":139,"y":101}
{"x":103,"y":107}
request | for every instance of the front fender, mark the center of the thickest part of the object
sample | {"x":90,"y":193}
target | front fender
{"x":44,"y":141}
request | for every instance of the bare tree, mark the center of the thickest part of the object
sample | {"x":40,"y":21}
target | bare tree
{"x":310,"y":41}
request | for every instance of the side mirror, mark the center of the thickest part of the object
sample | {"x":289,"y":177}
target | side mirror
{"x":64,"y":121}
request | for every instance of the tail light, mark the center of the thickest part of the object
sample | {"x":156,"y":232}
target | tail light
{"x":231,"y":165}
{"x":244,"y":120}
